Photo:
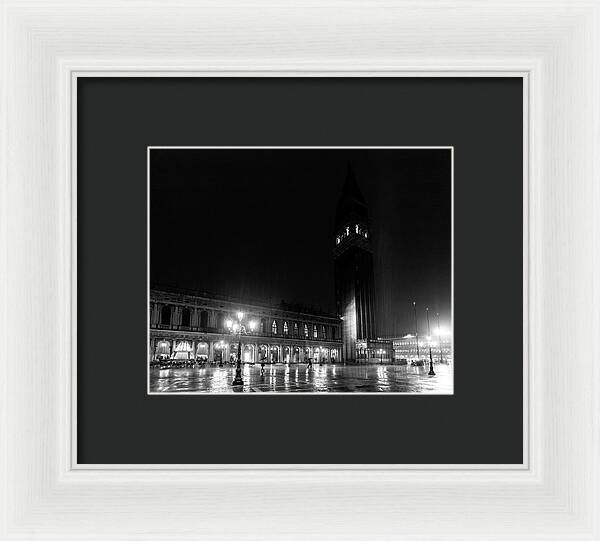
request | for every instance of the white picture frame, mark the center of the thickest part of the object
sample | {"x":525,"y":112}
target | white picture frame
{"x":556,"y":492}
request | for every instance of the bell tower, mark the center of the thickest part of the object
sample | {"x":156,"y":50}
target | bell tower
{"x":353,"y":262}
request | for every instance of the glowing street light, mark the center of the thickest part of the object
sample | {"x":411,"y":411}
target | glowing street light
{"x":239,"y":329}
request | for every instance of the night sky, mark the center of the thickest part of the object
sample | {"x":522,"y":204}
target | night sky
{"x":258,"y":225}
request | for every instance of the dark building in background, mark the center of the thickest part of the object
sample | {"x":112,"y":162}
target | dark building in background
{"x":354,"y":281}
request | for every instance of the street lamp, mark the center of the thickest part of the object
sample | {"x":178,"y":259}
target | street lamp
{"x":440,"y":339}
{"x":416,"y":331}
{"x":431,"y":371}
{"x":236,"y":327}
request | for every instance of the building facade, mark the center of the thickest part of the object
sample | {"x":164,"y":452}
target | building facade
{"x":191,"y":327}
{"x":405,"y":348}
{"x":353,"y":266}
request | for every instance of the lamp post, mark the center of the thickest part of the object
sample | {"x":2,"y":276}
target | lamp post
{"x":440,"y":339}
{"x":431,"y":371}
{"x":238,"y":328}
{"x":416,"y":331}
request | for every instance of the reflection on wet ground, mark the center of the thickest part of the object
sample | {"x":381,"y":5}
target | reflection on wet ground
{"x":299,"y":378}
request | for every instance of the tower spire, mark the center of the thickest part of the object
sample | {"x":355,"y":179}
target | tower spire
{"x":351,"y":204}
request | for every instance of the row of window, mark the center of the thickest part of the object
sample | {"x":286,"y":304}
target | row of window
{"x":313,"y":330}
{"x":358,"y":229}
{"x":306,"y":331}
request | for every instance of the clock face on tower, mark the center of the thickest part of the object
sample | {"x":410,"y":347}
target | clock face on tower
{"x":354,"y":282}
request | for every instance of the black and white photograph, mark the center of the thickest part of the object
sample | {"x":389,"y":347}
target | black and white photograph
{"x":300,"y":270}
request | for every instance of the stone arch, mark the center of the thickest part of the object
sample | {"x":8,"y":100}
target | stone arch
{"x":248,"y":353}
{"x":202,"y":351}
{"x":220,"y":349}
{"x":274,"y":354}
{"x":182,"y":350}
{"x":163,"y":349}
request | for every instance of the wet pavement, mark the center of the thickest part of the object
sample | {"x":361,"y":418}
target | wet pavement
{"x":324,"y":378}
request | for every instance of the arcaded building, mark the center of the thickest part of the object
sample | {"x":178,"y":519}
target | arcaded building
{"x":190,"y":326}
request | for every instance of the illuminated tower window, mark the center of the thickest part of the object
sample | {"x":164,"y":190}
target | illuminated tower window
{"x":274,"y":327}
{"x":295,"y":329}
{"x":315,"y":335}
{"x":306,"y":330}
{"x":356,"y":228}
{"x":285,"y":327}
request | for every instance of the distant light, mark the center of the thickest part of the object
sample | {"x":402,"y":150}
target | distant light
{"x":236,"y":327}
{"x":442,"y":332}
{"x":240,"y":316}
{"x":253,"y":325}
{"x":229,"y":323}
